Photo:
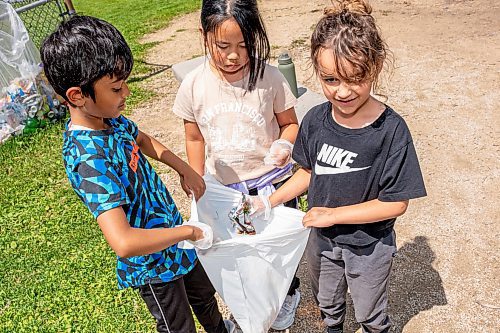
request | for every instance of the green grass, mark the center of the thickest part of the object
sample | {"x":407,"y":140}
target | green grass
{"x":57,"y":273}
{"x":135,"y":18}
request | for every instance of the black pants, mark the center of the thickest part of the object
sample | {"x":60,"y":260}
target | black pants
{"x":292,"y":204}
{"x":170,"y":303}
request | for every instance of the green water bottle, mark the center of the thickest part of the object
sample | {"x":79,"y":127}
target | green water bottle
{"x":32,"y":124}
{"x":287,"y":68}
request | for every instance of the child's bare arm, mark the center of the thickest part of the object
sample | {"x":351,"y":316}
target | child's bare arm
{"x":190,"y":180}
{"x":195,"y":147}
{"x":366,"y":212}
{"x":289,"y":125}
{"x":294,"y":187}
{"x":128,"y":242}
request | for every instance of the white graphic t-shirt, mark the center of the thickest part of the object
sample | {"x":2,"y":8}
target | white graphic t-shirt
{"x":238,"y":126}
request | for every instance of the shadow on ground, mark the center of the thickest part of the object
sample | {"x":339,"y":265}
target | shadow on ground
{"x":415,"y":286}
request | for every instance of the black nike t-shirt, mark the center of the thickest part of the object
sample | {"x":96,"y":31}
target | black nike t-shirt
{"x":351,"y":166}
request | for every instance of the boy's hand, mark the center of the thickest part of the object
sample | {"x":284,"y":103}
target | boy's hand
{"x":319,"y":217}
{"x":279,"y":153}
{"x":196,"y":233}
{"x":192,"y":183}
{"x":202,"y":235}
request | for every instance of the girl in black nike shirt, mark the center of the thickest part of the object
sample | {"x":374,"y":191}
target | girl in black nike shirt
{"x":360,"y":167}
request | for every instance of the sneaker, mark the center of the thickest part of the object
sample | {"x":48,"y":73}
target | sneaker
{"x":287,"y":312}
{"x":230,"y":326}
{"x":336,"y":329}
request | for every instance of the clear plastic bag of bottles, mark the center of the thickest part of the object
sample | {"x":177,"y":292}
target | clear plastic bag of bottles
{"x":27,"y":101}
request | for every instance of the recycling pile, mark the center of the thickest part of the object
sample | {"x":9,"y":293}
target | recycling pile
{"x":27,"y":101}
{"x":27,"y":104}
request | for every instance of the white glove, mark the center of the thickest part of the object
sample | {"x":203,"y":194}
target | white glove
{"x":279,"y":153}
{"x":208,"y":235}
{"x":259,"y":204}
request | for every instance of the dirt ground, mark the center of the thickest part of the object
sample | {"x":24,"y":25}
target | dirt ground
{"x":446,"y":277}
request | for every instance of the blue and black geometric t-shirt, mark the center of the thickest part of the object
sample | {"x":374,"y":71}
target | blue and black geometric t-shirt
{"x":107,"y":170}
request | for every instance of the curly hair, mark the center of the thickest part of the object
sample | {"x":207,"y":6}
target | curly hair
{"x":348,"y":29}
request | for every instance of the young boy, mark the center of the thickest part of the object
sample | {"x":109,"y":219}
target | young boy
{"x":87,"y":62}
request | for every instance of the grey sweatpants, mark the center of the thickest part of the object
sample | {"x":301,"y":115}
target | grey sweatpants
{"x":333,"y":267}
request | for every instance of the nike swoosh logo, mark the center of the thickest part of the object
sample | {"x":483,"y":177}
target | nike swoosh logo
{"x":322,"y":170}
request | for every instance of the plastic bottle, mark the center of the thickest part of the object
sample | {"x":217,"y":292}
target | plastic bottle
{"x":31,"y":126}
{"x":287,"y":68}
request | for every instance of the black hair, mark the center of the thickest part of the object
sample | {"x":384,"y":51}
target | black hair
{"x":83,"y":50}
{"x":247,"y":16}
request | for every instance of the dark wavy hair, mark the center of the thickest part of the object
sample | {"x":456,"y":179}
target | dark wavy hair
{"x":246,"y":14}
{"x":348,"y":30}
{"x":83,"y":50}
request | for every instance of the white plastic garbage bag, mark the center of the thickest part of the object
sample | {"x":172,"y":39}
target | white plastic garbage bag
{"x":252,"y":273}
